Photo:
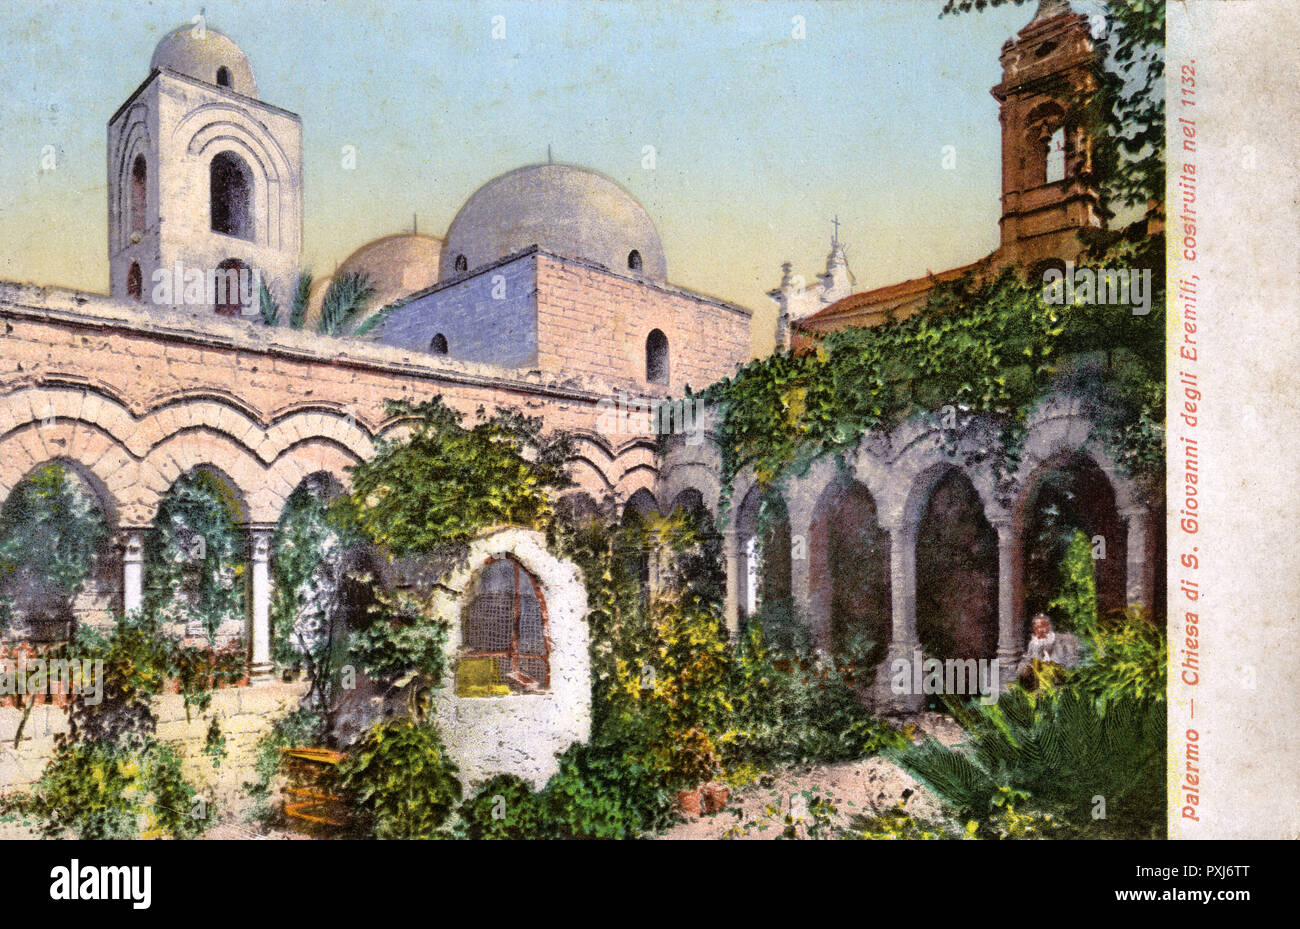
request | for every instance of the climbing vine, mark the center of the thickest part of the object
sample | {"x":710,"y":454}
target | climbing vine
{"x":975,"y":360}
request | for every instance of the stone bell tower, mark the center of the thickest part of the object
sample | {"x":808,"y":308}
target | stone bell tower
{"x":204,"y":179}
{"x":1049,"y":70}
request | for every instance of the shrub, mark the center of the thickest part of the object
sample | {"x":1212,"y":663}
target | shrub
{"x":400,"y":780}
{"x":97,"y":790}
{"x":1055,"y":753}
{"x":503,"y":808}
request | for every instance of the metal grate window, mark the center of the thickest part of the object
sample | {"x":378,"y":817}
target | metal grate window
{"x":507,"y":621}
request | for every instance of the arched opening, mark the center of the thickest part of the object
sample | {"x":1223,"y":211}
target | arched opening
{"x":505,"y":646}
{"x":1055,"y":157}
{"x":232,"y":288}
{"x":57,"y":564}
{"x":309,"y":555}
{"x":139,"y":194}
{"x":577,"y":509}
{"x":194,"y":559}
{"x":461,"y":264}
{"x":1067,"y":497}
{"x":438,"y":344}
{"x":231,"y":200}
{"x":656,"y":357}
{"x":639,"y":547}
{"x":956,"y":573}
{"x":634,"y":260}
{"x":223,"y":76}
{"x":763,"y":534}
{"x":135,"y":283}
{"x":849,"y":574}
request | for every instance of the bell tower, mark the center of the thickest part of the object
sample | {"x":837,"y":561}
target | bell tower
{"x":204,"y":183}
{"x":1049,"y":71}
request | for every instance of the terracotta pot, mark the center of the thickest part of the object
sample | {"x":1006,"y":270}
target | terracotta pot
{"x":715,"y":797}
{"x":688,"y":801}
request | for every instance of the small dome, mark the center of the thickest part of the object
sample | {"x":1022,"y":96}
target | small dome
{"x":206,"y":55}
{"x":396,"y":266}
{"x":565,"y":209}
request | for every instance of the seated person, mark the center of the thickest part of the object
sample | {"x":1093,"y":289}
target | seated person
{"x":1047,"y":653}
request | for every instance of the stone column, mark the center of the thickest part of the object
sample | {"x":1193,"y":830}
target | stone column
{"x":132,"y":542}
{"x":1140,"y":570}
{"x":1011,"y":643}
{"x":800,"y":562}
{"x":731,"y":552}
{"x":259,"y":557}
{"x":903,"y":643}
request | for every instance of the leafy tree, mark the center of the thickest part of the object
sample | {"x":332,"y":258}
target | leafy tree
{"x":445,"y":482}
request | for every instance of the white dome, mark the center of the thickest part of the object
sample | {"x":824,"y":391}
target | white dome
{"x":565,"y":209}
{"x":203,"y":56}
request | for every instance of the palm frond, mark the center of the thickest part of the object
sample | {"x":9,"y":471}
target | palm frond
{"x":345,"y":299}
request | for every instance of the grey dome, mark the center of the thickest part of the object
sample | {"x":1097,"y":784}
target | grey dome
{"x":201,"y":55}
{"x":565,"y":209}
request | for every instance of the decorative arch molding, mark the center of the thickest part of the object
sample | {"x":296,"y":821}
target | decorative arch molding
{"x":87,"y":449}
{"x":135,"y":140}
{"x":225,"y":128}
{"x":182,"y":413}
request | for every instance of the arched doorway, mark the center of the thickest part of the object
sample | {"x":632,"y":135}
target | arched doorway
{"x":849,"y":574}
{"x":956,"y":573}
{"x":1066,"y":496}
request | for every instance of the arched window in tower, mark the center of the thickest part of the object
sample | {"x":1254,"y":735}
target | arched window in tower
{"x":135,"y":283}
{"x":231,"y":196}
{"x":139,"y":194}
{"x":634,"y":260}
{"x":462,"y":264}
{"x":1055,"y":169}
{"x":439,"y":344}
{"x":230,"y":281}
{"x":505,"y":643}
{"x":223,"y":76}
{"x":656,"y":357}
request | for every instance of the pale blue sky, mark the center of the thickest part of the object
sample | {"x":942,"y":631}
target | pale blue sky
{"x":760,"y":138}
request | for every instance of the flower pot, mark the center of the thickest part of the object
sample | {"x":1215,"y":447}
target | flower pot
{"x":715,"y":797}
{"x":688,"y":801}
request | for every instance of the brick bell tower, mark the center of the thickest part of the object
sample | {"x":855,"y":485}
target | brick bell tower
{"x":1049,"y":194}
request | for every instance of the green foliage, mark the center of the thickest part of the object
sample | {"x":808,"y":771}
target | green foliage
{"x":98,"y":790}
{"x":604,"y":791}
{"x":402,"y":639}
{"x":139,"y":659}
{"x":299,"y":728}
{"x":897,"y":823}
{"x":400,"y":780}
{"x":990,"y":350}
{"x":1128,"y":659}
{"x":446,"y":482}
{"x":1052,"y":754}
{"x":346,"y":298}
{"x":505,"y":807}
{"x":1074,"y":608}
{"x":798,"y":707}
{"x":267,"y":307}
{"x":50,"y":530}
{"x":194,"y":556}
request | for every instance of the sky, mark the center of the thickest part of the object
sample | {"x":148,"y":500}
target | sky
{"x":765,"y":121}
